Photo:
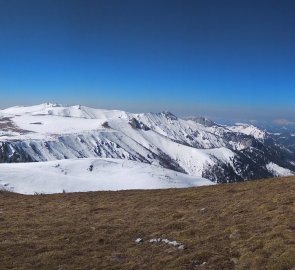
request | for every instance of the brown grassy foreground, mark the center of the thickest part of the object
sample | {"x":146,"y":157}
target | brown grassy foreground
{"x":243,"y":226}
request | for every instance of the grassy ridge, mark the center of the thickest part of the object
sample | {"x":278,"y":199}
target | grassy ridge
{"x":247,"y":225}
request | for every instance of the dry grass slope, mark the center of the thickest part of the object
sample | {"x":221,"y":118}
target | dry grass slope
{"x":247,"y":225}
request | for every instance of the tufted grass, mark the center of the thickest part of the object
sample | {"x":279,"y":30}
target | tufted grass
{"x":248,"y":225}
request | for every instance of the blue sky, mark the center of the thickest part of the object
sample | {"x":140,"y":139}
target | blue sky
{"x":224,"y":59}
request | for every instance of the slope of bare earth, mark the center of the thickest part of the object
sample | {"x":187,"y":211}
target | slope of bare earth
{"x":248,"y":225}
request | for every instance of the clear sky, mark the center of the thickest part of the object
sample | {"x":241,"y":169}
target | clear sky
{"x":219,"y":58}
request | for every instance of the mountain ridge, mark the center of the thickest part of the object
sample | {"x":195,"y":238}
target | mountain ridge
{"x":199,"y":147}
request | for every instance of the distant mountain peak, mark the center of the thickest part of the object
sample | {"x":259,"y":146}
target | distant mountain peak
{"x":169,"y":115}
{"x":53,"y":104}
{"x":203,"y":121}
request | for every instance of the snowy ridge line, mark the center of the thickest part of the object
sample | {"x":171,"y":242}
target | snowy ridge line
{"x":197,"y":146}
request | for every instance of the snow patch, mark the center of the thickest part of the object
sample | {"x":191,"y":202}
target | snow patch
{"x":277,"y":170}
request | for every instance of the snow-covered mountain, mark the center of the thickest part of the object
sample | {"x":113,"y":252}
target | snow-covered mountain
{"x":73,"y":175}
{"x":197,"y":147}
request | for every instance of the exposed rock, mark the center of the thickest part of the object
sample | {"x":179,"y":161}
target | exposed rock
{"x":203,"y":121}
{"x":173,"y":243}
{"x":169,"y":115}
{"x":105,"y":124}
{"x":137,"y":124}
{"x":168,"y":242}
{"x":139,"y":241}
{"x":181,"y":247}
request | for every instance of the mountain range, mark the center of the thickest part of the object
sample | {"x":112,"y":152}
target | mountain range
{"x":187,"y":148}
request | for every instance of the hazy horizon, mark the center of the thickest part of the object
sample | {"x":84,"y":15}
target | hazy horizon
{"x":221,"y":115}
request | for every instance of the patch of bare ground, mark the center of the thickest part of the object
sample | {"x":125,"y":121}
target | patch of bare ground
{"x":6,"y":124}
{"x":248,"y":225}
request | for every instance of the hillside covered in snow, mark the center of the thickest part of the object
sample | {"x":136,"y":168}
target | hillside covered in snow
{"x":197,"y":147}
{"x":75,"y":175}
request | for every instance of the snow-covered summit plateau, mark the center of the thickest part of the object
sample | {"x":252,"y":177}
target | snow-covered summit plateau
{"x":197,"y":147}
